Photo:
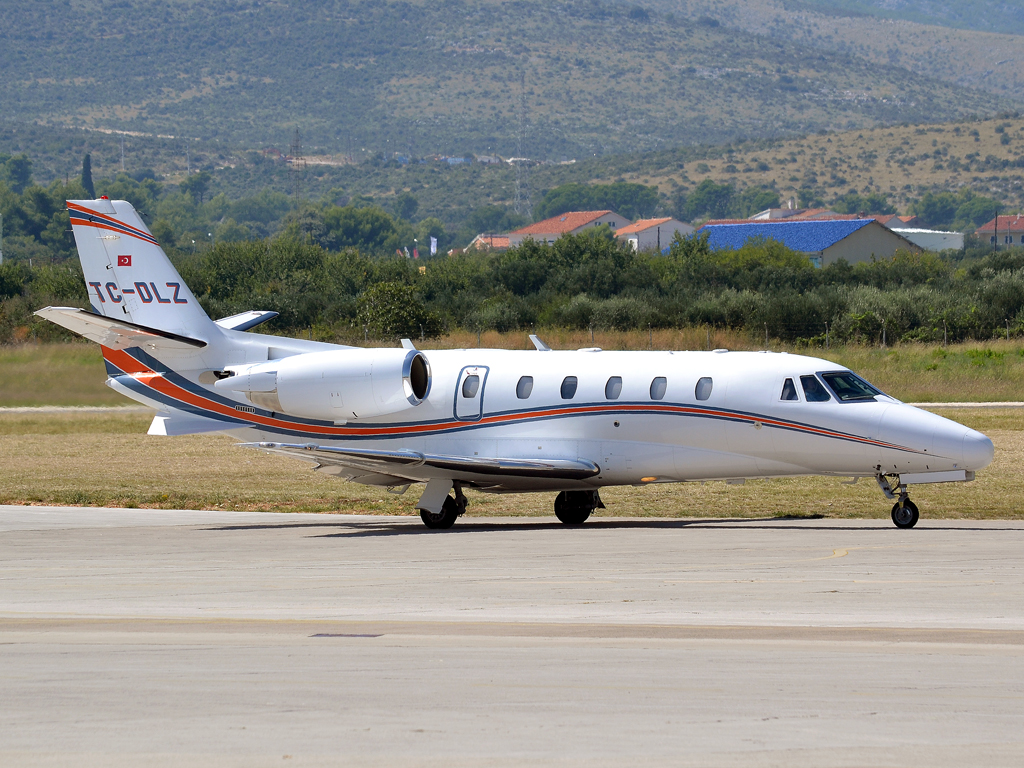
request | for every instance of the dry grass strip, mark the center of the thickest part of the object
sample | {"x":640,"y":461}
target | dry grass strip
{"x":108,"y":460}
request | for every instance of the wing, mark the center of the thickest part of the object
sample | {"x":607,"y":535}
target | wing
{"x":400,"y":462}
{"x":115,"y":334}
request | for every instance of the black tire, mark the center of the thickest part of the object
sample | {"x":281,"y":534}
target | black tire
{"x":443,"y":520}
{"x":574,"y":507}
{"x":905,"y":514}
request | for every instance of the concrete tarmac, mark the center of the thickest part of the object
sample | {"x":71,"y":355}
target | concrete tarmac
{"x":174,"y":638}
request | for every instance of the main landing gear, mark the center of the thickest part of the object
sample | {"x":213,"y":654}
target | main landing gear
{"x":904,"y":512}
{"x":574,"y":507}
{"x":451,"y":510}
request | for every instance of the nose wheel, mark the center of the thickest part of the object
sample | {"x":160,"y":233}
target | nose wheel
{"x":905,"y":514}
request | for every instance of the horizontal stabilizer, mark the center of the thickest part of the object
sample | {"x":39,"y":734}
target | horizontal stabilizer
{"x":381,"y":461}
{"x":246,"y":320}
{"x":114,"y":333}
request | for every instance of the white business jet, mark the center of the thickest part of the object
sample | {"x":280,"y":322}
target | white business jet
{"x":567,"y":422}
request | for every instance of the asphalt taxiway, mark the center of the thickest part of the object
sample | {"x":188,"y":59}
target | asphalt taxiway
{"x":162,"y":637}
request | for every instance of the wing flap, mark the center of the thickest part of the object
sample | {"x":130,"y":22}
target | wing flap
{"x":113,"y":333}
{"x":393,"y":461}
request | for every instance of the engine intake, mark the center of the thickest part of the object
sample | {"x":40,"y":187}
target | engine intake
{"x":337,"y":385}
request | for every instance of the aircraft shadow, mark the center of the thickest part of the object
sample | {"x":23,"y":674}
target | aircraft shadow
{"x":412,"y":527}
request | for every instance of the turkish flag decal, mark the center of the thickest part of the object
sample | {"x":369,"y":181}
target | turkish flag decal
{"x":124,"y":261}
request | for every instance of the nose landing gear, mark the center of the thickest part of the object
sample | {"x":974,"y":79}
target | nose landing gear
{"x":904,"y":512}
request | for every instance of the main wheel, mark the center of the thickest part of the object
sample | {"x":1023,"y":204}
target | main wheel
{"x":905,"y":514}
{"x":574,"y":507}
{"x":444,"y":519}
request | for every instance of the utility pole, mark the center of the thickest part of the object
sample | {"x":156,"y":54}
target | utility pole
{"x":522,"y":203}
{"x":296,"y":166}
{"x":122,"y":154}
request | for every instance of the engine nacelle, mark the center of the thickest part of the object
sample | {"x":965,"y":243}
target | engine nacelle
{"x":337,"y":385}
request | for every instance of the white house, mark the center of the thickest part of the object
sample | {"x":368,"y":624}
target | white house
{"x":932,"y":239}
{"x":652,"y":234}
{"x":569,"y":223}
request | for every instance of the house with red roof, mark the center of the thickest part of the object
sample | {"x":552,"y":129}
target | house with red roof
{"x":569,"y":223}
{"x":1004,"y":230}
{"x":484,"y":242}
{"x":652,"y":234}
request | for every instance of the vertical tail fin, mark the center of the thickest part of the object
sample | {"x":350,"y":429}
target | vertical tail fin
{"x":127,"y":273}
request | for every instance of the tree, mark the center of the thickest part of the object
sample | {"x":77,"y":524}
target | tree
{"x":629,"y":200}
{"x":87,"y":175}
{"x":405,"y":205}
{"x":708,"y":200}
{"x":17,"y":172}
{"x":754,"y":200}
{"x":960,"y":211}
{"x":196,"y":186}
{"x":389,"y":310}
{"x":873,"y":203}
{"x":809,"y":198}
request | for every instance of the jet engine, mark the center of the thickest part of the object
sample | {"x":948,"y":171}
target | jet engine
{"x":337,"y":385}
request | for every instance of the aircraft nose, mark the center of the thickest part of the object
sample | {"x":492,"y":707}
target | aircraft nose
{"x":978,"y":450}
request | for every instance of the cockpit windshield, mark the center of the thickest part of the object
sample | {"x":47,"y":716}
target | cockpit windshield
{"x":849,"y":387}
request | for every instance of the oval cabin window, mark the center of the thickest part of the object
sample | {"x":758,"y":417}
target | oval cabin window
{"x":658,"y":388}
{"x":470,"y":387}
{"x":613,"y":388}
{"x":525,"y":387}
{"x":703,"y":389}
{"x":568,"y":389}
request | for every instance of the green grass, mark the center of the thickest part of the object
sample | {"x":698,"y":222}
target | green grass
{"x":102,"y":460}
{"x":54,"y":374}
{"x":72,"y":374}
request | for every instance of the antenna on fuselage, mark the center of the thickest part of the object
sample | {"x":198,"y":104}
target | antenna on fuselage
{"x":540,"y":345}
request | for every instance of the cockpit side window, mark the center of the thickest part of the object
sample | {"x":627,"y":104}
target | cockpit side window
{"x":814,"y":391}
{"x":789,"y":391}
{"x":849,"y":387}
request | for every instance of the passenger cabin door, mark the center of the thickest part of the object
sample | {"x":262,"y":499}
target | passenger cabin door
{"x":469,"y":394}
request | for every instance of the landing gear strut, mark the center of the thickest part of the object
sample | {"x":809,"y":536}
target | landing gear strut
{"x":904,"y":512}
{"x":574,"y":507}
{"x":451,"y":510}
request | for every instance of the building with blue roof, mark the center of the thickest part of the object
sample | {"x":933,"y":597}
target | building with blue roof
{"x":824,"y":241}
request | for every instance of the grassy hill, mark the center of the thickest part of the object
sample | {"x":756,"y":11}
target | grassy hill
{"x":1006,"y":16}
{"x":903,"y":162}
{"x":450,"y":77}
{"x":906,"y":35}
